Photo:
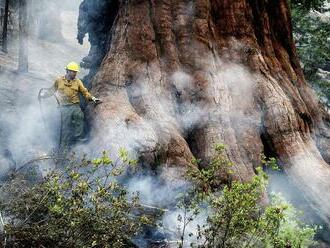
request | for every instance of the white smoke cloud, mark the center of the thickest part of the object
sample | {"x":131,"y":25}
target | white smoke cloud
{"x":175,"y":221}
{"x":163,"y":195}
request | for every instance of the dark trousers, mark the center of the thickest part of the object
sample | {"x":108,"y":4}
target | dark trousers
{"x":72,"y":125}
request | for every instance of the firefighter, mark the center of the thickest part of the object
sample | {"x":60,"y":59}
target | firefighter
{"x":67,"y":89}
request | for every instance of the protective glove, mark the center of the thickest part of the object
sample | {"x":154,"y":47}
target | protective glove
{"x":95,"y":99}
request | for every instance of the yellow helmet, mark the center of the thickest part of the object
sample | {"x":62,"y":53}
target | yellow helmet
{"x":73,"y":66}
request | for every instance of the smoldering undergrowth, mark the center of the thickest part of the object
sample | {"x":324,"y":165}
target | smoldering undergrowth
{"x":208,"y":208}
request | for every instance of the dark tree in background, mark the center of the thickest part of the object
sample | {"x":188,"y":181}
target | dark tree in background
{"x":23,"y":37}
{"x":151,"y":41}
{"x":5,"y":27}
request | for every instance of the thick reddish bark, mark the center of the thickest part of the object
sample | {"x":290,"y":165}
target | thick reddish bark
{"x":228,"y":67}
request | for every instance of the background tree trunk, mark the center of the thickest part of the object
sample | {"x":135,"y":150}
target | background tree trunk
{"x":23,"y":37}
{"x":5,"y":27}
{"x":181,"y":76}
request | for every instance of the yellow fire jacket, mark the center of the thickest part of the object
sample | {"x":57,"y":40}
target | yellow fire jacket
{"x":68,"y":90}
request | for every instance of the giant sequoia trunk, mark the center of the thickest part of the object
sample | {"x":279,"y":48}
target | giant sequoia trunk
{"x":181,"y":76}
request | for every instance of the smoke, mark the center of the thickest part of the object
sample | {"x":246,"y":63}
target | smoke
{"x":161,"y":195}
{"x":175,"y":222}
{"x":158,"y":109}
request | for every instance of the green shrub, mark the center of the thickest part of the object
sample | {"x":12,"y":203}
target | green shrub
{"x":83,"y":205}
{"x":236,"y":216}
{"x":312,"y":34}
